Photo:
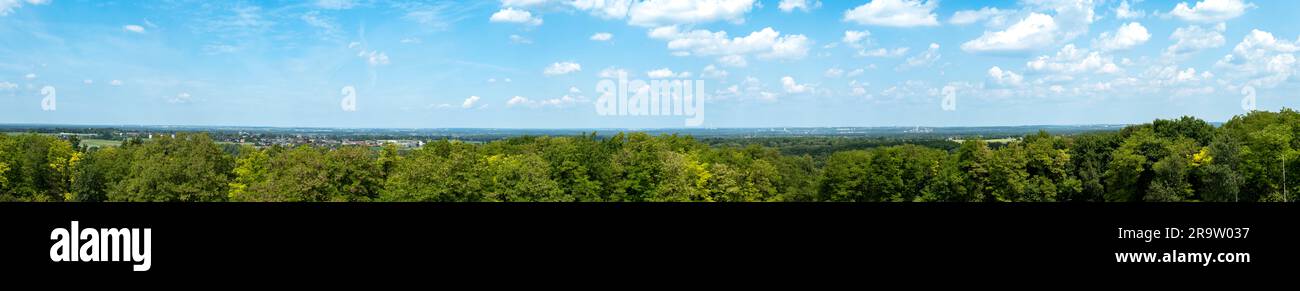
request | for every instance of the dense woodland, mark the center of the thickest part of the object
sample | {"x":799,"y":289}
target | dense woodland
{"x":1185,"y":159}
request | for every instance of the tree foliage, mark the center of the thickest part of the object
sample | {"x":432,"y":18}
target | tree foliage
{"x":1179,"y":160}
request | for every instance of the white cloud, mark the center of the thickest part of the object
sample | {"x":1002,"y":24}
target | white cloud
{"x":562,"y":68}
{"x":30,"y":76}
{"x":1068,"y":19}
{"x":884,"y":53}
{"x":654,"y":13}
{"x":1071,"y":60}
{"x":765,"y":44}
{"x":133,"y":28}
{"x":1128,"y":36}
{"x":1187,"y":75}
{"x":376,"y":58}
{"x":855,"y":73}
{"x":8,"y":86}
{"x":336,"y":4}
{"x":602,"y":36}
{"x":792,"y":87}
{"x":834,"y":73}
{"x":8,"y":6}
{"x":733,"y":61}
{"x":469,"y":102}
{"x":858,"y":89}
{"x":805,"y":5}
{"x":748,"y":89}
{"x":994,"y":15}
{"x":563,"y":101}
{"x":1211,"y":10}
{"x":511,"y":15}
{"x":115,"y":83}
{"x":1033,"y":32}
{"x":519,"y":39}
{"x":88,"y":82}
{"x":1261,"y":60}
{"x":1073,"y":17}
{"x":1125,"y":11}
{"x":1194,"y":38}
{"x":518,"y":100}
{"x":711,"y":71}
{"x":524,"y":3}
{"x":896,"y":13}
{"x":855,"y":38}
{"x":181,"y":98}
{"x":666,"y":73}
{"x":606,"y":9}
{"x":611,"y":73}
{"x":924,"y":59}
{"x":410,"y":40}
{"x":1005,"y":77}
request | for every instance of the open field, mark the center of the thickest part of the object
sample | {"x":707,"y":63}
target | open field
{"x":96,"y":143}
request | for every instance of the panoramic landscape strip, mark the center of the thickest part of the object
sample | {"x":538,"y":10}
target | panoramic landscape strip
{"x":1243,"y":160}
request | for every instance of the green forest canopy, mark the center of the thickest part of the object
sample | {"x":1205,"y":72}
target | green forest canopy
{"x":1185,"y":159}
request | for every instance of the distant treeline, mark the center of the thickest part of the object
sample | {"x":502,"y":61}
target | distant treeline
{"x":1185,"y":159}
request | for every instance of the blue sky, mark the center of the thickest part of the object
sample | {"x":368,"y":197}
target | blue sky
{"x":536,"y":63}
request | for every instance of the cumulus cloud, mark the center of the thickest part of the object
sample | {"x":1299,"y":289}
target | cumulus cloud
{"x":115,"y":83}
{"x":562,"y":68}
{"x":1071,"y":60}
{"x":792,"y":87}
{"x":895,"y":13}
{"x":8,"y":86}
{"x":566,"y":100}
{"x":733,"y":61}
{"x":666,"y":73}
{"x":713,"y":72}
{"x":1211,"y":10}
{"x":602,"y":36}
{"x":1193,"y":38}
{"x":1005,"y":77}
{"x":1045,"y":24}
{"x":511,"y":15}
{"x":1262,"y":60}
{"x":925,"y":59}
{"x":884,"y":53}
{"x":765,"y":44}
{"x":1034,"y":31}
{"x":805,"y":5}
{"x":611,"y":73}
{"x":470,"y":102}
{"x":654,"y":13}
{"x":1125,"y":11}
{"x":995,"y":16}
{"x":517,"y":101}
{"x":856,"y":38}
{"x":1126,"y":37}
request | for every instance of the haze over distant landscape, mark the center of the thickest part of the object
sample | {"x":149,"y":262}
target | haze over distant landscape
{"x":536,"y":63}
